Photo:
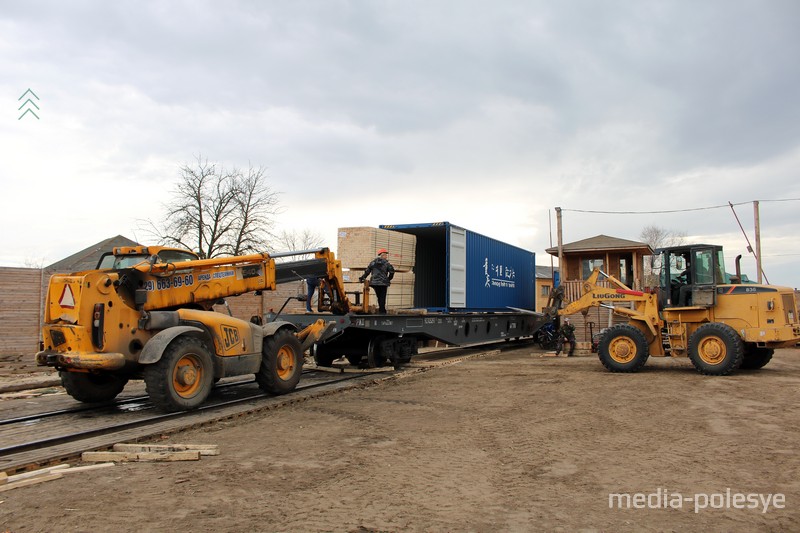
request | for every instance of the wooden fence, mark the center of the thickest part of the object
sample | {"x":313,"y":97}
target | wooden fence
{"x":20,"y":311}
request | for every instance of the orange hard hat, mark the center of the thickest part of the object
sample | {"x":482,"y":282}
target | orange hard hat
{"x":383,"y":251}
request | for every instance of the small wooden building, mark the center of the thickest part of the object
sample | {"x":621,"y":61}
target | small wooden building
{"x":621,"y":258}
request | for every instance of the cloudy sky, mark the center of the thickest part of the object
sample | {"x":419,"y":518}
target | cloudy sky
{"x":484,"y":114}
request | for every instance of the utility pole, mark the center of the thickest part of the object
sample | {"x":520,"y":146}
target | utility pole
{"x":561,"y":268}
{"x":758,"y":239}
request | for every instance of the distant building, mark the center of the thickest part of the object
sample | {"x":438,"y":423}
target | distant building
{"x":544,"y":285}
{"x":87,"y":258}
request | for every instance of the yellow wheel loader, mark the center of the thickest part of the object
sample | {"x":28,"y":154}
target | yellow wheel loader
{"x":699,"y":312}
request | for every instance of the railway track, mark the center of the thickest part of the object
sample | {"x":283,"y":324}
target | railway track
{"x":63,"y":430}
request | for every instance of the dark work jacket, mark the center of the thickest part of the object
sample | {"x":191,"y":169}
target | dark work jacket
{"x":382,"y":272}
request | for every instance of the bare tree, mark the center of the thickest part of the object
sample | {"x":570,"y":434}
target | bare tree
{"x":306,"y":239}
{"x":658,"y":237}
{"x":216,"y":212}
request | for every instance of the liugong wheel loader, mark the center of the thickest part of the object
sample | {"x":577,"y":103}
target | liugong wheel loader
{"x":147,"y":313}
{"x":721,"y":326}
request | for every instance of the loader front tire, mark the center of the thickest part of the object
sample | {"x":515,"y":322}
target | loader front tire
{"x":281,"y":363}
{"x":623,"y":348}
{"x":716,"y":349}
{"x":92,"y":388}
{"x":184,"y":376}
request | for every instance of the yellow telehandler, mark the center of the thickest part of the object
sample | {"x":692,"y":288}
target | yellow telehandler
{"x":146,"y":312}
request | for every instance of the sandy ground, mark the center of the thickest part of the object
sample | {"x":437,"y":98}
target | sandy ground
{"x":514,"y":442}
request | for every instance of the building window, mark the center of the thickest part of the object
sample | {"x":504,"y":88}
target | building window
{"x":545,"y":291}
{"x":587,"y":265}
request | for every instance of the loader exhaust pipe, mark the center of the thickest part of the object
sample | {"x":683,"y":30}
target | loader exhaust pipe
{"x":738,"y":269}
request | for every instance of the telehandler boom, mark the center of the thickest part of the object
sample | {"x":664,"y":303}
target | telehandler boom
{"x":721,"y":325}
{"x":147,"y":313}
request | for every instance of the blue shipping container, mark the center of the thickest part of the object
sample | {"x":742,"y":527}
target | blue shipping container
{"x":459,"y":270}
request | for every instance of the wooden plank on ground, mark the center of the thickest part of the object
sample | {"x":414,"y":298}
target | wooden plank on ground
{"x":35,"y":473}
{"x":204,"y":449}
{"x":30,"y":481}
{"x":85,"y":468}
{"x":3,"y":478}
{"x":189,"y":455}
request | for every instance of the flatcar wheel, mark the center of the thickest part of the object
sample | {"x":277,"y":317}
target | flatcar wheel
{"x":375,"y":357}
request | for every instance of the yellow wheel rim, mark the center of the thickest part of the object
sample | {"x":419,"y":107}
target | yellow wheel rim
{"x":712,"y":350}
{"x":187,"y":377}
{"x":622,"y":349}
{"x":285,"y":362}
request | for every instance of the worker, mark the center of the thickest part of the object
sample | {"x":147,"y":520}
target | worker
{"x":382,"y":273}
{"x":566,"y":333}
{"x":312,"y":284}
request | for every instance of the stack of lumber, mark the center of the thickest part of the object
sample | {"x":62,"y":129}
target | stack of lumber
{"x":357,"y":246}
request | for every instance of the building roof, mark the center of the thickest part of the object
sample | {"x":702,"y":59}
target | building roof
{"x":87,"y":258}
{"x":602,"y":243}
{"x":545,"y":272}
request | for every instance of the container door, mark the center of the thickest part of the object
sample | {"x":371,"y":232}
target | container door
{"x":458,"y":267}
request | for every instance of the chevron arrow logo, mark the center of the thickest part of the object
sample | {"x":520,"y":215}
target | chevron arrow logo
{"x":27,"y":104}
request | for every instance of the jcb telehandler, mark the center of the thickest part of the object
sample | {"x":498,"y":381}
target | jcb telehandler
{"x":146,"y":312}
{"x":720,"y":324}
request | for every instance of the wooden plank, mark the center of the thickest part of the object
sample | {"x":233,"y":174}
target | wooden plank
{"x":85,"y":468}
{"x":34,"y":473}
{"x":190,"y":455}
{"x":3,"y":478}
{"x":30,"y":481}
{"x":204,"y":449}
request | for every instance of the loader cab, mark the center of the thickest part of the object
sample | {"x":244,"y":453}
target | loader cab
{"x":690,"y":275}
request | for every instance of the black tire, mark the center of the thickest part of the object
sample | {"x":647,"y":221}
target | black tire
{"x":323,"y":355}
{"x":716,"y":349}
{"x":375,"y":356}
{"x":623,"y":348}
{"x":184,"y":376}
{"x":92,"y":388}
{"x":281,"y":363}
{"x":755,"y":357}
{"x":354,"y":360}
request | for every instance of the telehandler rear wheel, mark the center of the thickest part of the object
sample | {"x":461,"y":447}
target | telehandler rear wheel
{"x":623,"y":348}
{"x":755,"y":358}
{"x":716,"y":349}
{"x":91,"y":388}
{"x":182,"y":379}
{"x":281,"y":363}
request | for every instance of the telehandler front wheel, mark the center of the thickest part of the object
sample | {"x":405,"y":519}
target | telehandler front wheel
{"x":623,"y":348}
{"x":91,"y":388}
{"x":716,"y":349}
{"x":184,"y":376}
{"x":281,"y":363}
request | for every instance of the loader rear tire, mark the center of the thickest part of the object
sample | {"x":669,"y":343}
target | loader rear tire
{"x":281,"y":363}
{"x":184,"y":376}
{"x":623,"y":348}
{"x":755,"y":358}
{"x":92,"y":388}
{"x":716,"y":349}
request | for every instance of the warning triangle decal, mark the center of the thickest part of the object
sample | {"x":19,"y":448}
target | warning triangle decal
{"x":67,"y":300}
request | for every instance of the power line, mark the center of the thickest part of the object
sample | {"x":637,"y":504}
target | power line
{"x":674,"y":210}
